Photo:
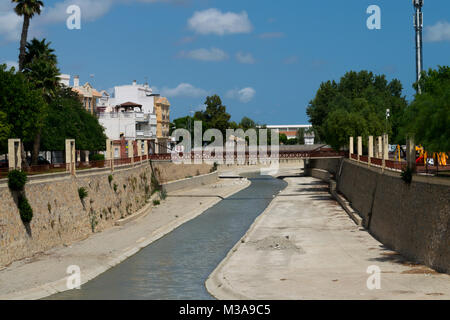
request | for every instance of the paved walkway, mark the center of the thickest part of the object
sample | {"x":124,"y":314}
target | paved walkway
{"x":304,"y":246}
{"x":45,"y":274}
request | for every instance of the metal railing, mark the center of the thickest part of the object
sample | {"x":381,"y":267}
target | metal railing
{"x":237,"y":157}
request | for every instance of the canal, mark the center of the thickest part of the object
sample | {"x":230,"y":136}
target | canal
{"x":177,"y":265}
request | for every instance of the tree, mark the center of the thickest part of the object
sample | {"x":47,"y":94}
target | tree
{"x":292,"y":142}
{"x":21,"y":107}
{"x":428,"y":116}
{"x":361,"y":97}
{"x":301,"y":136}
{"x":69,"y":120}
{"x":40,"y":67}
{"x":27,"y":9}
{"x":247,"y":123}
{"x":215,"y":115}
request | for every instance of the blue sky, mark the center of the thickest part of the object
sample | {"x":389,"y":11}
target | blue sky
{"x":265,"y":58}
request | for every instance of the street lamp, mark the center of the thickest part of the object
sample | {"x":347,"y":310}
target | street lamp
{"x":418,"y":25}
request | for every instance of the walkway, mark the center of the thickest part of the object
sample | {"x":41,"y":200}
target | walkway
{"x":306,"y":247}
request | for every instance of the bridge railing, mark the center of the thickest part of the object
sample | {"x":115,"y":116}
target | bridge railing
{"x":236,"y":157}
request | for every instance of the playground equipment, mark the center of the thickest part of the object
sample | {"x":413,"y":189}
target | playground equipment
{"x":441,"y":158}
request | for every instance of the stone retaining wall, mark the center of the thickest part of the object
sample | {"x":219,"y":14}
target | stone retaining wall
{"x":60,"y":217}
{"x":413,"y":219}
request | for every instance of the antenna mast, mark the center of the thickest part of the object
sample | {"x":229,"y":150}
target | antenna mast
{"x":418,"y":25}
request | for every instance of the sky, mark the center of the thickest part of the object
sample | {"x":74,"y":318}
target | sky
{"x":265,"y":58}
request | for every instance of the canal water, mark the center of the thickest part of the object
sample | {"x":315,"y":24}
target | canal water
{"x":177,"y":265}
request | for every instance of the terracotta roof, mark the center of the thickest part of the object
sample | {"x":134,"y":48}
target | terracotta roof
{"x":129,"y":104}
{"x":163,"y":100}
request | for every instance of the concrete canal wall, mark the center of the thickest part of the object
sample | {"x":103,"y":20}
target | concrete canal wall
{"x":413,"y":219}
{"x":60,"y":217}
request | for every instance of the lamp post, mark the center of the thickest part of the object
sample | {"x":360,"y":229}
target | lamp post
{"x":418,"y":25}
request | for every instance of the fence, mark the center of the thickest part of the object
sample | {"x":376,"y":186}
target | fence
{"x":236,"y":157}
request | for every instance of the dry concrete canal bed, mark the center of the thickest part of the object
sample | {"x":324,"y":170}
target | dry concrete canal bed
{"x":177,"y":265}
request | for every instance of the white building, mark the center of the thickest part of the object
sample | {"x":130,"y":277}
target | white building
{"x":129,"y":112}
{"x":291,"y":131}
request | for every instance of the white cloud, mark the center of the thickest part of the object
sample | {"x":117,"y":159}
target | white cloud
{"x":184,"y":90}
{"x":10,"y":64}
{"x":244,"y":95}
{"x":90,"y":10}
{"x":212,"y":54}
{"x":245,"y":58}
{"x":439,"y":32}
{"x":11,"y":24}
{"x":213,"y":21}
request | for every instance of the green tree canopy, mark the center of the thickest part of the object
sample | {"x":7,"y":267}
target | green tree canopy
{"x":21,"y":108}
{"x":215,"y":116}
{"x":428,"y":116}
{"x":361,"y":97}
{"x":247,"y":123}
{"x":68,"y":119}
{"x":301,"y":136}
{"x":40,"y":68}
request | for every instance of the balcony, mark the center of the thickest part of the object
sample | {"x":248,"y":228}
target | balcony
{"x":152,"y":119}
{"x":138,"y":116}
{"x":144,"y":134}
{"x":141,"y":117}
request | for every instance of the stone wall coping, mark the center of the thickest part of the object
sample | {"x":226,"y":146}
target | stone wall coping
{"x":395,"y":174}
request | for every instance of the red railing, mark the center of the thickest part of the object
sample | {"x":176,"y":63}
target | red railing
{"x":46,"y":168}
{"x":123,"y":161}
{"x":431,"y":169}
{"x":364,"y":159}
{"x":137,"y":159}
{"x":237,"y":157}
{"x":354,"y":156}
{"x":376,"y":161}
{"x":396,"y":165}
{"x":3,"y":172}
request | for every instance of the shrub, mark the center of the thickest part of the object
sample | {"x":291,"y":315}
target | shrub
{"x":82,"y":193}
{"x":214,"y":167}
{"x":110,"y":179}
{"x":155,"y":183}
{"x":96,"y":157}
{"x":17,"y":180}
{"x":115,"y":187}
{"x":156,"y":202}
{"x":407,"y":175}
{"x":163,"y":194}
{"x":26,"y":212}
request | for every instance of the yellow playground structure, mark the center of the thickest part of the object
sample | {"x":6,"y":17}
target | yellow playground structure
{"x":441,"y":158}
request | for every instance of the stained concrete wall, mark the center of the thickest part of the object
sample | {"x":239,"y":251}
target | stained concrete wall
{"x":60,"y":217}
{"x":413,"y":219}
{"x":191,"y":182}
{"x":331,"y":164}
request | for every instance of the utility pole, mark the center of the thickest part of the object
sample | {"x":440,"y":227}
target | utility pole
{"x":418,"y":25}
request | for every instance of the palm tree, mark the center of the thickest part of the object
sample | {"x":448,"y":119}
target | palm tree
{"x":27,"y":9}
{"x":41,"y":49}
{"x":40,"y":67}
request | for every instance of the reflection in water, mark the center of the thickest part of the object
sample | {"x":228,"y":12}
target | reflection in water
{"x":177,"y":265}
